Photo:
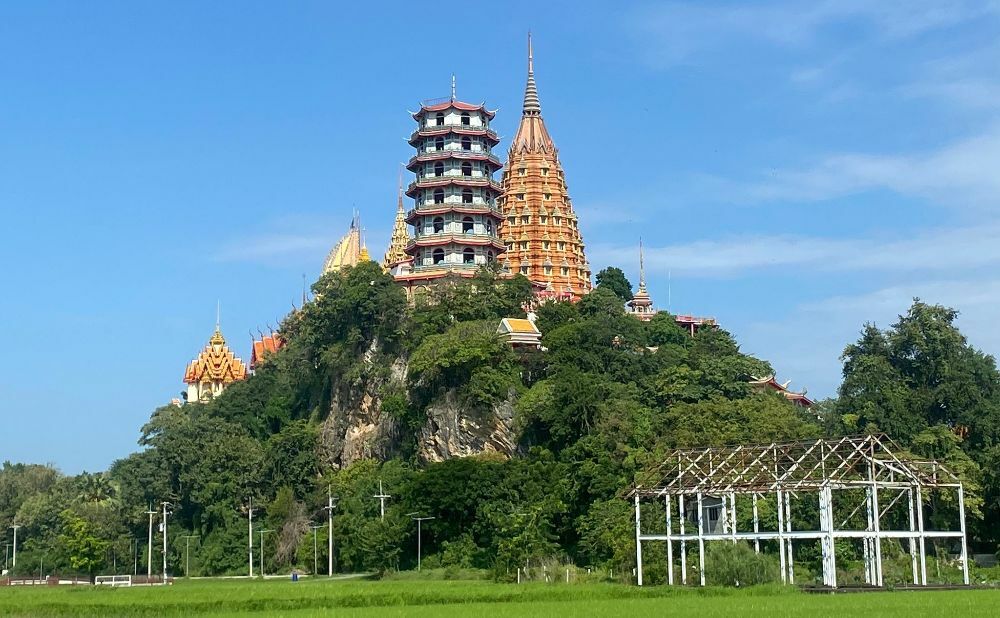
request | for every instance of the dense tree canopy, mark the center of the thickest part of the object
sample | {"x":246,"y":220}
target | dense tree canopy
{"x":591,"y":411}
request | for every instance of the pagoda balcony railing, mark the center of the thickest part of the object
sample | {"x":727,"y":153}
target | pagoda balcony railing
{"x":441,"y":181}
{"x":457,"y":238}
{"x":426,"y":210}
{"x":448,"y":153}
{"x":490,"y":134}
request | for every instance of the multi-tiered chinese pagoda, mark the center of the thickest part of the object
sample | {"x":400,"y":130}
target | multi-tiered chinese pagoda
{"x":455,"y":219}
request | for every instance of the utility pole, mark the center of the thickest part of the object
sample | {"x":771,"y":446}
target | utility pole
{"x":330,"y":505}
{"x":149,"y":555}
{"x":187,"y":553}
{"x":164,"y":524}
{"x":14,"y":560}
{"x":315,"y":563}
{"x":419,"y":520}
{"x":250,"y":535}
{"x":382,"y":497}
{"x":262,"y":532}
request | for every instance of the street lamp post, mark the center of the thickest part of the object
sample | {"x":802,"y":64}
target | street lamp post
{"x":331,"y":503}
{"x":187,"y":553}
{"x":250,"y":534}
{"x":315,"y":562}
{"x":382,"y":497}
{"x":262,"y":532}
{"x":165,"y":513}
{"x":13,"y":561}
{"x":419,"y":520}
{"x":149,"y":552}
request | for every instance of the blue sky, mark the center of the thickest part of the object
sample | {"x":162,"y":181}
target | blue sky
{"x":798,"y":169}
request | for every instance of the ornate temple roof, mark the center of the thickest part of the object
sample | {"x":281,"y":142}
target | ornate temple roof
{"x":216,"y":363}
{"x":641,"y":299}
{"x":771,"y":383}
{"x":267,"y":344}
{"x":532,"y":136}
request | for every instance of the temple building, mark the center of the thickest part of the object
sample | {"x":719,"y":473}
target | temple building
{"x":641,"y":305}
{"x":349,"y":250}
{"x":540,"y":228}
{"x":263,"y":347}
{"x":215,"y":368}
{"x":769,"y":383}
{"x":455,"y":219}
{"x":396,"y":254}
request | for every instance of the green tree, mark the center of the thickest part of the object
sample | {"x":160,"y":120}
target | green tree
{"x":614,"y":280}
{"x":87,"y":552}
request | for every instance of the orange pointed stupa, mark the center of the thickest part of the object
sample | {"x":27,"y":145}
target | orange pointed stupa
{"x":215,"y":368}
{"x":540,"y":228}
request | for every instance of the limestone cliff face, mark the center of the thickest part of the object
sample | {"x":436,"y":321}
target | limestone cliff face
{"x":453,"y":430}
{"x":356,"y":426}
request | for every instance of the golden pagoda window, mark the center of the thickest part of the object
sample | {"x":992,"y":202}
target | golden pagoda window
{"x":521,"y":171}
{"x":511,"y":220}
{"x":468,"y":226}
{"x":546,"y":244}
{"x":439,"y":196}
{"x":438,"y":256}
{"x":547,"y":196}
{"x":520,"y":196}
{"x":564,"y":271}
{"x":561,"y":245}
{"x":545,"y":171}
{"x":468,"y":256}
{"x":558,"y":221}
{"x":525,"y":219}
{"x":465,"y":119}
{"x":544,"y":219}
{"x":467,"y":169}
{"x":524,"y":245}
{"x":467,"y":196}
{"x":524,"y":270}
{"x":438,"y":225}
{"x":548,"y":270}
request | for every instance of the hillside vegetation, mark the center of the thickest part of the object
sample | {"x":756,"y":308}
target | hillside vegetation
{"x":369,"y":388}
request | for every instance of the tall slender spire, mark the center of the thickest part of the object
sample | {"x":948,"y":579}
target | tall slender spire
{"x":400,"y":238}
{"x":532,"y":106}
{"x":452,"y":86}
{"x":642,"y":267}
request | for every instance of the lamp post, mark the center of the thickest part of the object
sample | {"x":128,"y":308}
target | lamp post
{"x":419,"y":520}
{"x":164,"y":524}
{"x":262,"y":532}
{"x":187,"y":553}
{"x":315,"y":563}
{"x":149,"y":553}
{"x":331,"y":503}
{"x":13,"y":562}
{"x":382,"y":497}
{"x":250,"y":534}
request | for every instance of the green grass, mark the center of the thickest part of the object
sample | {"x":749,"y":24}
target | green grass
{"x":474,"y":598}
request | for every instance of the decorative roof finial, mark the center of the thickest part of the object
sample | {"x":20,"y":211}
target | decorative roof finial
{"x":218,"y":315}
{"x":532,"y":107}
{"x":399,"y":204}
{"x":452,"y":86}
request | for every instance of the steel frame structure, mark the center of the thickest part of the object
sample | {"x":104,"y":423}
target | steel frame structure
{"x":869,"y":465}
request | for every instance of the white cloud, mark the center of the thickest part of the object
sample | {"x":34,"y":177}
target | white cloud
{"x":266,"y":248}
{"x":673,"y":32}
{"x":963,"y":174}
{"x":941,"y":250}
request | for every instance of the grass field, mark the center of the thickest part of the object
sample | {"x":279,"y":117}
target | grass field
{"x":475,"y":598}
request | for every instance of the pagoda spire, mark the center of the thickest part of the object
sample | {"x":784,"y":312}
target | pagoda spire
{"x":397,"y":244}
{"x":642,"y":268}
{"x":532,"y":106}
